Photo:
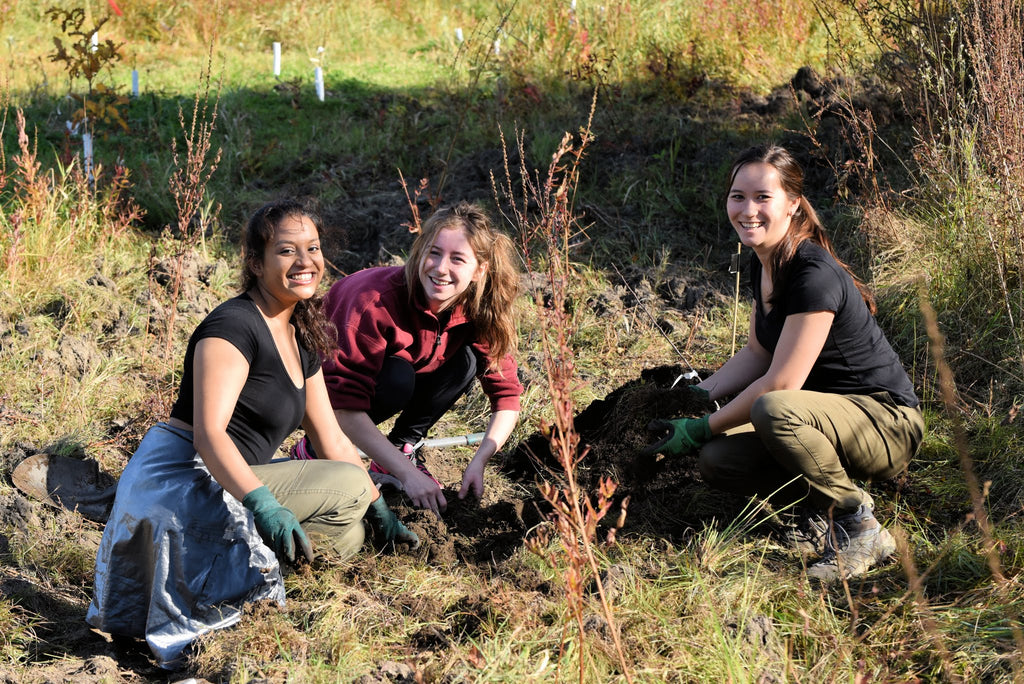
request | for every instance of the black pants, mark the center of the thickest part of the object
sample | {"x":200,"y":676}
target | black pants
{"x":420,"y":400}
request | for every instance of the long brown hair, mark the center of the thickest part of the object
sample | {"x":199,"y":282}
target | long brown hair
{"x":314,"y":330}
{"x":804,"y":225}
{"x":488,"y":302}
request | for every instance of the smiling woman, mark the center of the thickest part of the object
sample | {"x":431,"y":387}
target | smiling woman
{"x":202,"y":516}
{"x":821,"y":398}
{"x":411,"y":340}
{"x":759,"y":208}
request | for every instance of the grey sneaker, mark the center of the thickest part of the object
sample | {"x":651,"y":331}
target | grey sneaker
{"x":806,"y":528}
{"x":856,"y":543}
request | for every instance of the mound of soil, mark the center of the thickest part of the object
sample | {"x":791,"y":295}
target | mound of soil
{"x":469,"y":532}
{"x":663,"y":497}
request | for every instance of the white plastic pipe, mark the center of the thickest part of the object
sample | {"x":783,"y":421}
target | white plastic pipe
{"x":318,"y":78}
{"x":87,"y":153}
{"x":461,"y":440}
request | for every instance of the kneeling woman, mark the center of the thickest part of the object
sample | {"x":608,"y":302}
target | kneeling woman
{"x":201,"y":515}
{"x":411,"y":340}
{"x":821,"y":397}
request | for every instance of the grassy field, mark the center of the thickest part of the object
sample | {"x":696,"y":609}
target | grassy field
{"x":912,"y":157}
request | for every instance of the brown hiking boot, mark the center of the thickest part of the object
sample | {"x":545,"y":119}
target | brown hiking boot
{"x":856,"y":542}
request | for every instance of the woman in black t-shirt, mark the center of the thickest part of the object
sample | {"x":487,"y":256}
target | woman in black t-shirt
{"x":821,"y":398}
{"x":202,"y":516}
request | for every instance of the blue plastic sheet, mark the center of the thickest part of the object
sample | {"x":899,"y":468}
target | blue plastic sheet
{"x":179,"y":555}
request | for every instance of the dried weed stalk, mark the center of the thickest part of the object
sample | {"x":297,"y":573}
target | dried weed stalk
{"x":415,"y":224}
{"x":30,"y":198}
{"x":994,"y":33}
{"x":991,"y":547}
{"x":541,"y":209}
{"x":191,"y":175}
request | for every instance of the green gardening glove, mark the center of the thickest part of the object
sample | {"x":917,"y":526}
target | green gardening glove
{"x":277,"y":525}
{"x":700,"y":393}
{"x":387,"y":528}
{"x":684,"y":435}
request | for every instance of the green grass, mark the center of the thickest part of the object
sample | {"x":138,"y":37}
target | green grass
{"x":672,"y":78}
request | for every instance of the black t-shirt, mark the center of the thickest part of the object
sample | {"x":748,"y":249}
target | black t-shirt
{"x":856,"y":358}
{"x":270,"y":406}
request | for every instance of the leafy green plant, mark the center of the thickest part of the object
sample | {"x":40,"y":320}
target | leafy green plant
{"x":82,"y":58}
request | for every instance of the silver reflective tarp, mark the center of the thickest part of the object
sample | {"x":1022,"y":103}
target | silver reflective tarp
{"x":179,"y":556}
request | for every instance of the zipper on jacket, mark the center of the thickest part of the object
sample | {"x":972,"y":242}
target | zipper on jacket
{"x":441,"y":325}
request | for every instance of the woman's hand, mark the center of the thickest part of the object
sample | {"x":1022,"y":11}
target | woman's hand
{"x":277,"y":525}
{"x":498,"y":430}
{"x":473,"y":479}
{"x":684,"y":435}
{"x":387,"y":529}
{"x":421,"y":490}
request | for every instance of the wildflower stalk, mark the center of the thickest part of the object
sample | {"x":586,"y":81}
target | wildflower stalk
{"x":190,"y":178}
{"x":542,"y":212}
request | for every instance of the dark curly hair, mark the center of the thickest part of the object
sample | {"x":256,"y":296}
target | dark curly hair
{"x":315,"y":331}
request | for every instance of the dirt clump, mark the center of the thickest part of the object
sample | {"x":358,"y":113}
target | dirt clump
{"x":469,"y":531}
{"x":665,"y":495}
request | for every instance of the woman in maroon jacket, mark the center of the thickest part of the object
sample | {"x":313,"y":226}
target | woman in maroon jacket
{"x":411,"y":339}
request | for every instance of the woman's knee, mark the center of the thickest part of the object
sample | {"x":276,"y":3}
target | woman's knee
{"x":709,"y":465}
{"x":351,"y":480}
{"x":771,"y":409}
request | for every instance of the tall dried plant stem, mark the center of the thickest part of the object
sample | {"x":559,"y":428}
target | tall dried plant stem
{"x":191,"y":175}
{"x":994,"y":30}
{"x":947,"y":389}
{"x":552,"y":229}
{"x":5,"y":100}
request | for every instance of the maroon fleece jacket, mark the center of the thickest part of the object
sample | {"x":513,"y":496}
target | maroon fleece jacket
{"x":376,"y":319}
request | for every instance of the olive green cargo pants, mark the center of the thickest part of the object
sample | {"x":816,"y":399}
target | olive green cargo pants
{"x":801,"y":444}
{"x":329,"y":499}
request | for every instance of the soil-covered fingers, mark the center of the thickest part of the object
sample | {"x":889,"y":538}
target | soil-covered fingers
{"x":472,"y":481}
{"x":424,"y":493}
